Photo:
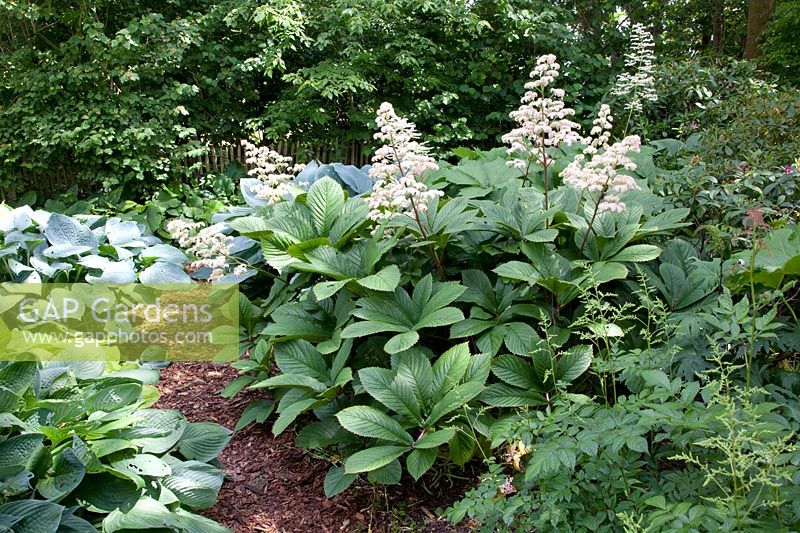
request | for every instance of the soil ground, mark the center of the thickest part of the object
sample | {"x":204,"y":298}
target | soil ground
{"x":273,"y":486}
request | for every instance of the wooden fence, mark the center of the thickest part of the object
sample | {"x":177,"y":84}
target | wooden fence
{"x":220,"y":156}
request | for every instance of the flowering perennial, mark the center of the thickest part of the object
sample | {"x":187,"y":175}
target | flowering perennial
{"x":542,"y":118}
{"x":397,"y":167}
{"x":209,"y":245}
{"x":597,"y":169}
{"x":274,"y":170}
{"x":638,"y":84}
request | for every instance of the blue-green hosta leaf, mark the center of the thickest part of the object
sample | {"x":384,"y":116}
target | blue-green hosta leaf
{"x":115,"y":272}
{"x":373,"y":458}
{"x":367,"y":421}
{"x":62,"y":231}
{"x":164,"y":252}
{"x":68,"y":472}
{"x":105,"y":493}
{"x":203,"y":441}
{"x":248,"y":187}
{"x":141,"y":464}
{"x":33,"y":516}
{"x":20,"y":452}
{"x":337,"y":481}
{"x":125,"y":233}
{"x":195,"y":484}
{"x":164,"y":273}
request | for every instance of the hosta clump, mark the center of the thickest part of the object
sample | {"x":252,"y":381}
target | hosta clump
{"x":39,"y":246}
{"x":82,"y":448}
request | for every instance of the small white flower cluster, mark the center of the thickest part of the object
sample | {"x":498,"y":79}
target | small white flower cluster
{"x":638,"y":84}
{"x":600,"y":173}
{"x":543,"y":120}
{"x":274,"y":170}
{"x":397,"y":167}
{"x":209,"y":245}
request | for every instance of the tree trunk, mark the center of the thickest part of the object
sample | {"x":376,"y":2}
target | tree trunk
{"x":757,"y":18}
{"x":718,"y":26}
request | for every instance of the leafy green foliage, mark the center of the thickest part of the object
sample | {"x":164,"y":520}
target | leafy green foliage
{"x":81,"y":445}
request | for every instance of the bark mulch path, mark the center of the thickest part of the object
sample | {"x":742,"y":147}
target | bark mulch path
{"x":273,"y":486}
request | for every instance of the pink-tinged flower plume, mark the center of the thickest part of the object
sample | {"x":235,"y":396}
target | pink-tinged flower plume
{"x":398,"y":167}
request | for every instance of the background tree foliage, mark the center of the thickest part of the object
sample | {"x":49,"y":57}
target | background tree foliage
{"x":106,"y":93}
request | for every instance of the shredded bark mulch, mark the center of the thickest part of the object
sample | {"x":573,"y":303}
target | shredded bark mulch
{"x":273,"y":486}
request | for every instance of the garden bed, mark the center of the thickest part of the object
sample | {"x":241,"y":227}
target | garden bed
{"x":273,"y":486}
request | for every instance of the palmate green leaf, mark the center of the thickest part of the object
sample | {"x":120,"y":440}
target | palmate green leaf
{"x":401,"y":342}
{"x":325,"y":199}
{"x":385,"y":280}
{"x":300,"y":357}
{"x":448,"y":369}
{"x":389,"y":474}
{"x":367,"y":421}
{"x":396,"y":394}
{"x":638,"y":253}
{"x":519,"y":271}
{"x":440,"y":317}
{"x":290,"y":380}
{"x":371,"y":327}
{"x":373,"y":458}
{"x":420,"y":461}
{"x":256,"y":412}
{"x":337,"y":481}
{"x":503,"y":395}
{"x":515,"y":371}
{"x":574,"y":362}
{"x":456,"y":398}
{"x":290,"y":413}
{"x":203,"y":441}
{"x":520,"y":338}
{"x":326,"y":289}
{"x":434,"y":439}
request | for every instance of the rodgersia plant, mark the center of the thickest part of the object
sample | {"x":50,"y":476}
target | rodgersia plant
{"x":637,"y":85}
{"x":543,"y":120}
{"x":275,"y":171}
{"x":597,"y":170}
{"x":398,"y":167}
{"x":210,"y":246}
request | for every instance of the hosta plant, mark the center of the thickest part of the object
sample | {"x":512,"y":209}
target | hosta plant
{"x":82,"y":449}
